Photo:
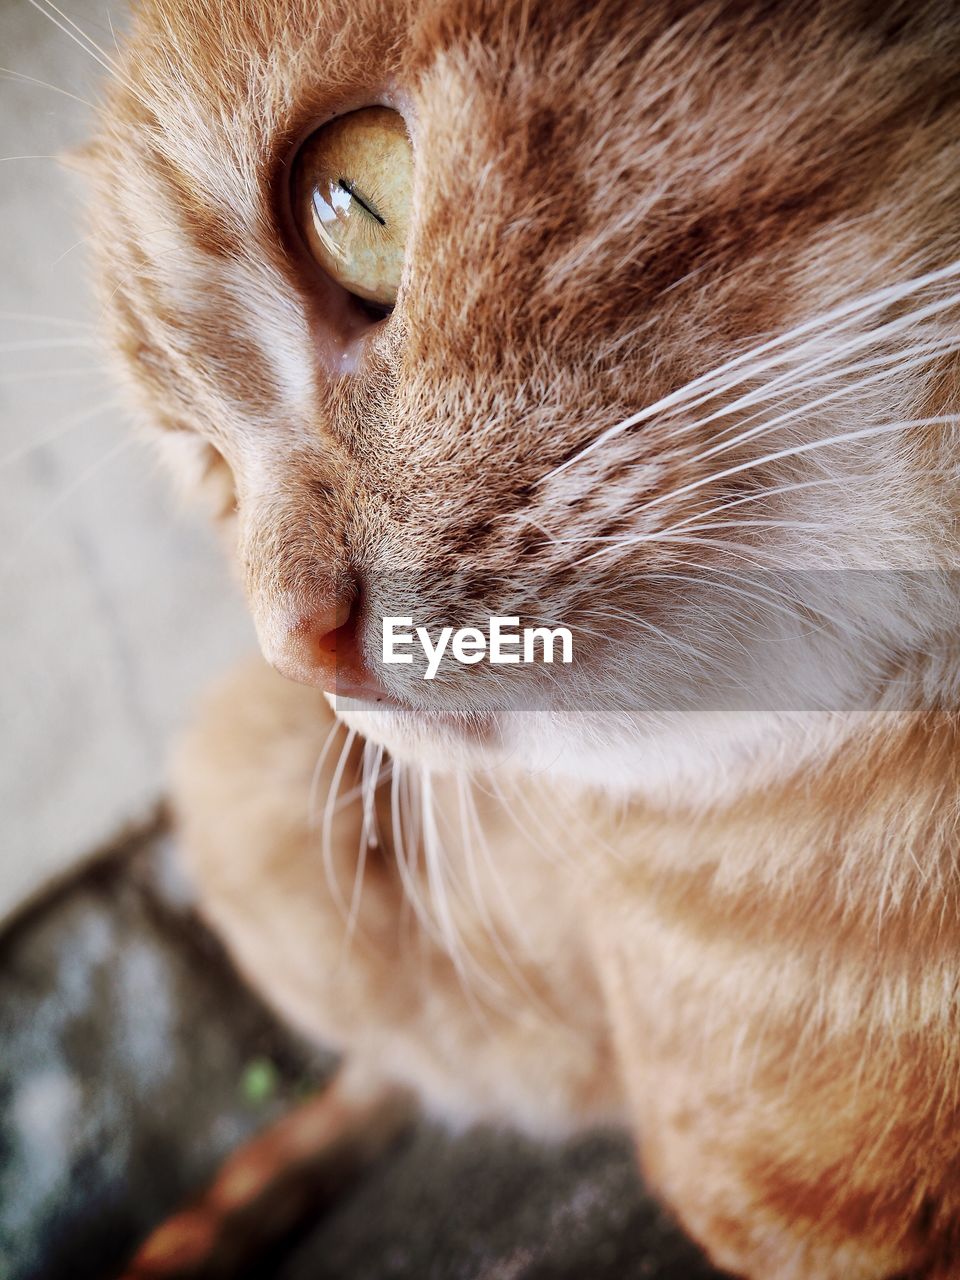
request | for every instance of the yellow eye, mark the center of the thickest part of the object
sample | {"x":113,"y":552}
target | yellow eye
{"x":352,"y":191}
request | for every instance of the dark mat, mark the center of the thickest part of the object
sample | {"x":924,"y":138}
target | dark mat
{"x":132,"y":1061}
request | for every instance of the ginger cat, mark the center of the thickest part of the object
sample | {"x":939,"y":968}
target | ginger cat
{"x":642,"y":320}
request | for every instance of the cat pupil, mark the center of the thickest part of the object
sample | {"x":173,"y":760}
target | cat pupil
{"x":355,"y":195}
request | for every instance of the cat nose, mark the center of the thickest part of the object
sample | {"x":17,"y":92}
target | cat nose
{"x":322,"y":647}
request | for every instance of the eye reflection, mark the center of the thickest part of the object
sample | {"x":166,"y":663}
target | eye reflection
{"x":330,"y":207}
{"x":353,"y":186}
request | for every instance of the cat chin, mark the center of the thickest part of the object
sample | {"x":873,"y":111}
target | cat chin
{"x":442,"y":743}
{"x":682,"y":758}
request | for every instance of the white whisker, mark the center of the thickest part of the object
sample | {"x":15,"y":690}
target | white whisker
{"x":372,"y":760}
{"x":433,"y":858}
{"x":892,"y":366}
{"x":45,"y":344}
{"x":37,"y":156}
{"x":70,"y":249}
{"x":405,"y":851}
{"x":69,"y":424}
{"x":410,"y":870}
{"x":470,"y":818}
{"x":693,"y":520}
{"x":30,"y":317}
{"x":809,"y":446}
{"x":759,"y":496}
{"x":826,"y":325}
{"x":681,"y":647}
{"x":62,"y":497}
{"x":326,"y":837}
{"x":18,"y":77}
{"x":33,"y":375}
{"x":317,"y":771}
{"x":83,"y":41}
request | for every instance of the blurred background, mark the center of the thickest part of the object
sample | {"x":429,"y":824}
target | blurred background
{"x":115,"y":606}
{"x":132,"y":1059}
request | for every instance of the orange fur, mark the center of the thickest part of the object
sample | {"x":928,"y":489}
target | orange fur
{"x":615,"y":889}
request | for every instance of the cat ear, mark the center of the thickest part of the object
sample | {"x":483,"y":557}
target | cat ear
{"x":80,"y":159}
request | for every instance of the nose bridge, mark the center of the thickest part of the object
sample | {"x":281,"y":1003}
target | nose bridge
{"x":292,"y":530}
{"x":301,"y":579}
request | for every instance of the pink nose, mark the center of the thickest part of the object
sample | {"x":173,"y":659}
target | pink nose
{"x":323,"y":648}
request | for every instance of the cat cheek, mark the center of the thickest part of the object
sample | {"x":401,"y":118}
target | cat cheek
{"x":200,"y":471}
{"x":218,"y":485}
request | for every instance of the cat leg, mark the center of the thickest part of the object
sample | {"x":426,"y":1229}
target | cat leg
{"x":787,"y":1152}
{"x":764,"y":1213}
{"x":250,"y":789}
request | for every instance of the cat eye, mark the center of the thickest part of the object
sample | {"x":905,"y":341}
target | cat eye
{"x":353,"y":182}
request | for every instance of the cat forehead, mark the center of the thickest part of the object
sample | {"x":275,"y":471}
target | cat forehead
{"x":538,"y":107}
{"x":659,"y":103}
{"x":571,"y":160}
{"x":226,"y":90}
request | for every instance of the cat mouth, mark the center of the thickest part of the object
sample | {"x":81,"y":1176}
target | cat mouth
{"x":365,"y":691}
{"x":366,"y":701}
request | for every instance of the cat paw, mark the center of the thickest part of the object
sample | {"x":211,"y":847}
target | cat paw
{"x":276,"y":1182}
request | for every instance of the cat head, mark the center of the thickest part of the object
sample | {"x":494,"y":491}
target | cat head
{"x":671,"y":354}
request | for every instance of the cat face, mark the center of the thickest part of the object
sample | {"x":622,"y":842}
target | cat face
{"x":673,"y":337}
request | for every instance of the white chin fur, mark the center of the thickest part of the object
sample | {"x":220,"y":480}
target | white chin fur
{"x":689,"y":758}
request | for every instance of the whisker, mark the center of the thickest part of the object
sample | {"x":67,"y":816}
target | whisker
{"x":83,"y":41}
{"x":335,"y":727}
{"x":33,"y":525}
{"x":398,"y":783}
{"x":682,"y":647}
{"x":467,"y":811}
{"x":438,"y":892}
{"x":359,"y":792}
{"x":84,"y":35}
{"x":406,"y":845}
{"x":748,"y":552}
{"x":18,"y":77}
{"x":663,"y":535}
{"x":771,"y":596}
{"x":326,"y":836}
{"x":892,"y":365}
{"x":547,"y":850}
{"x":31,"y":317}
{"x":760,"y":495}
{"x":472,"y":819}
{"x":70,"y":249}
{"x":809,"y":446}
{"x":113,"y":32}
{"x":45,"y":344}
{"x":372,"y":760}
{"x":87,"y":415}
{"x":32,"y":375}
{"x":757,"y":522}
{"x":831,"y":322}
{"x":692,"y":520}
{"x":38,"y":156}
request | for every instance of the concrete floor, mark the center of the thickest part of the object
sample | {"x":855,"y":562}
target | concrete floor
{"x":115,"y":608}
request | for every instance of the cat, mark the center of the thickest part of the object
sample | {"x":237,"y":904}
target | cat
{"x":639,"y":320}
